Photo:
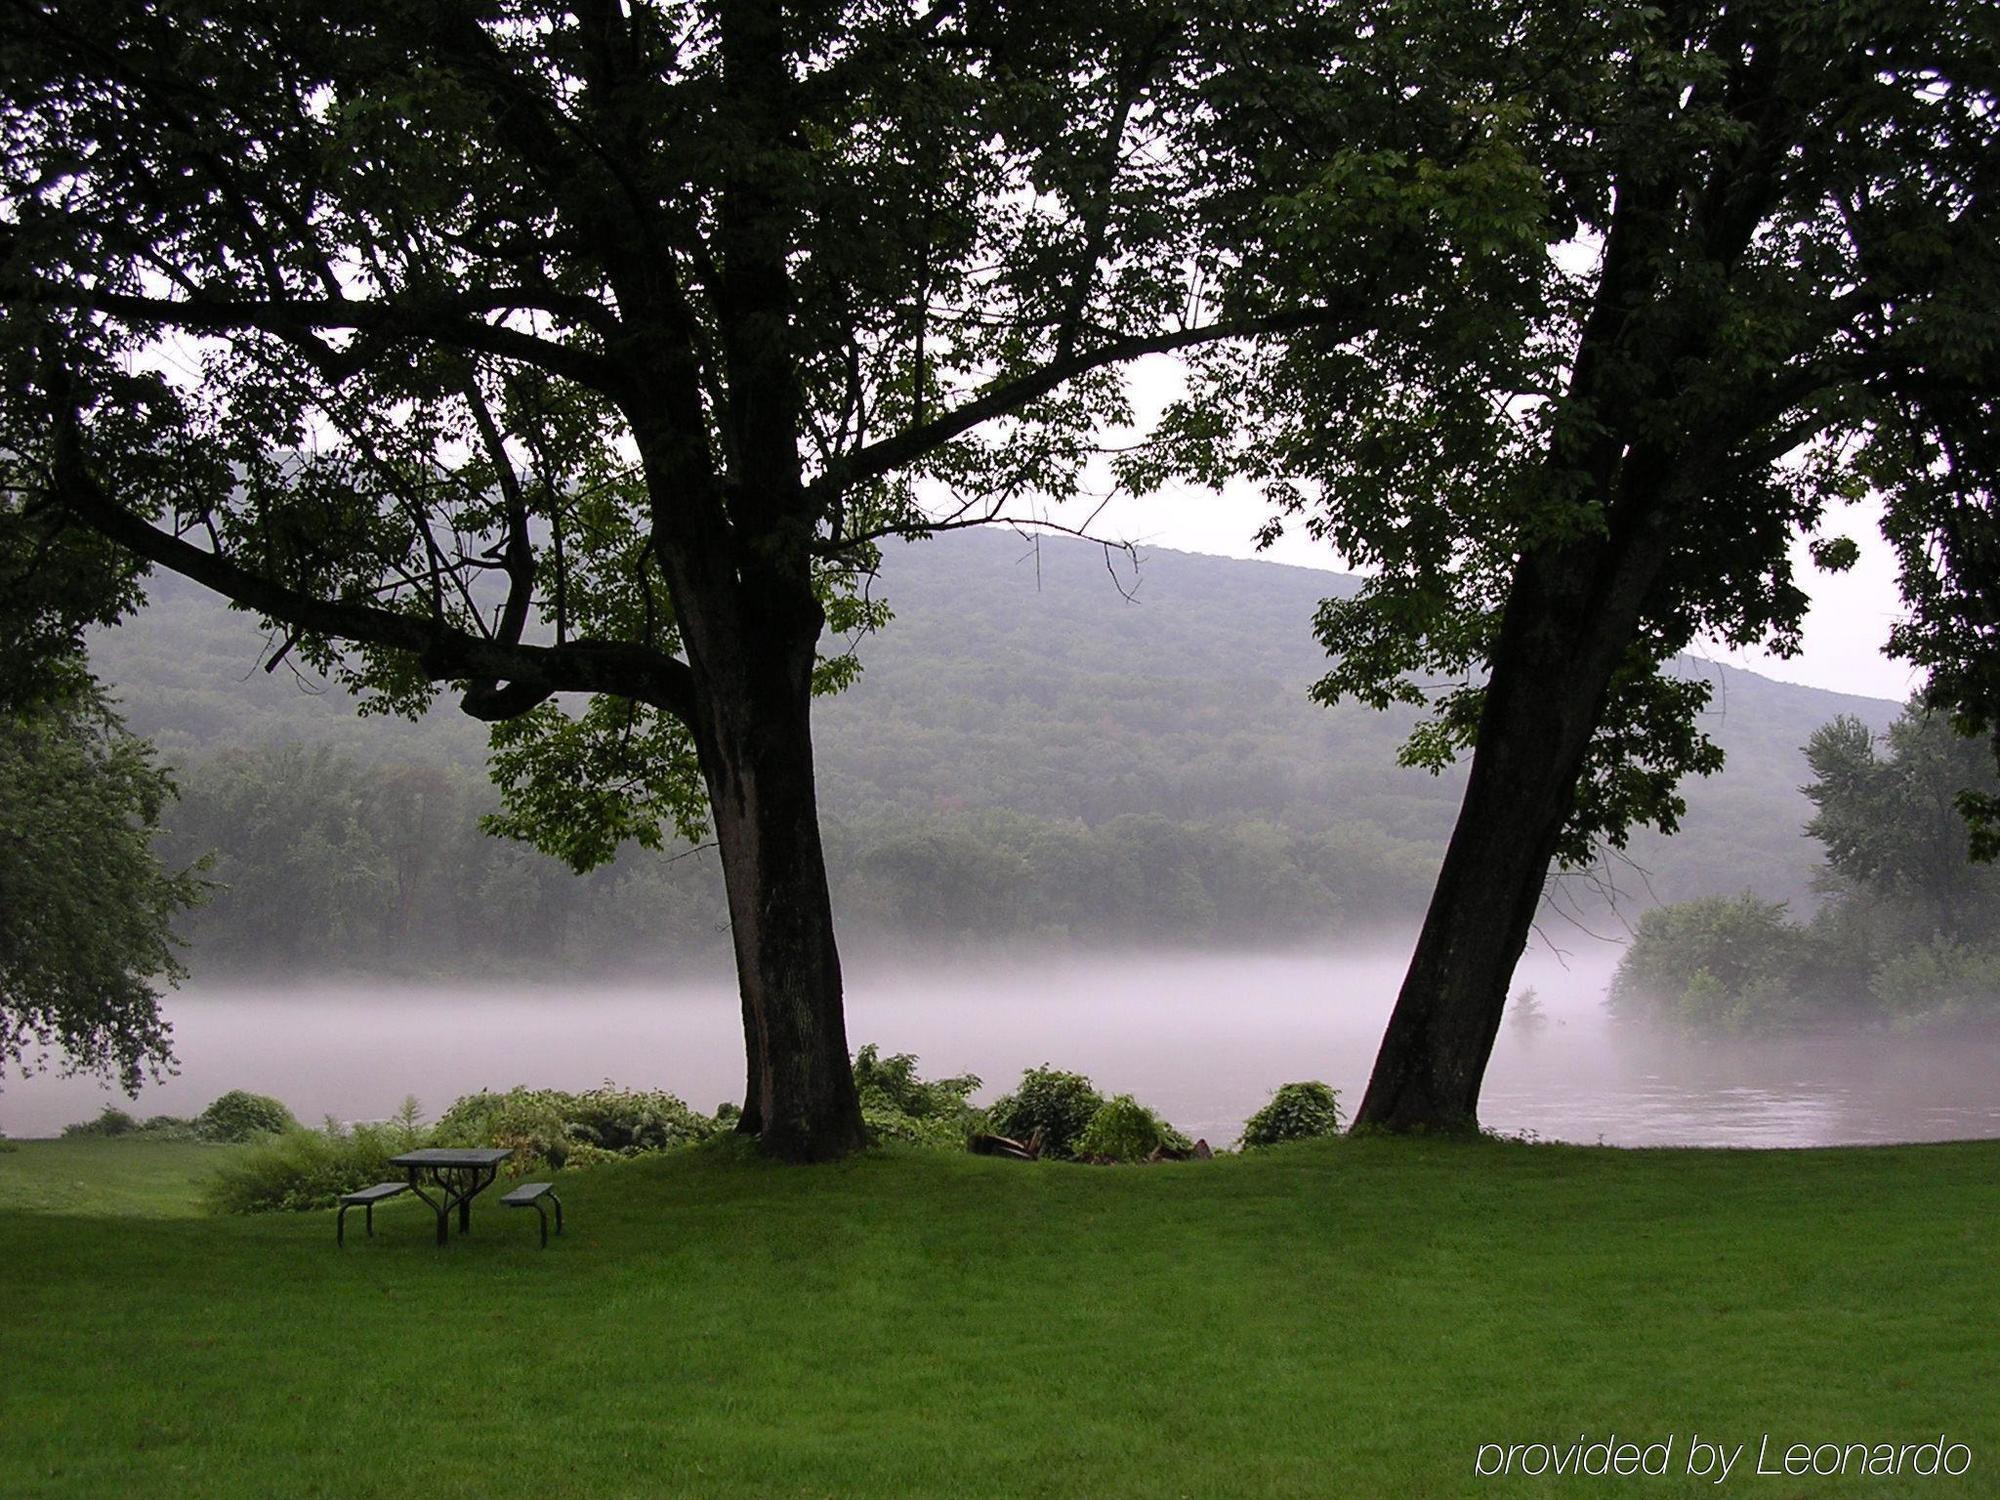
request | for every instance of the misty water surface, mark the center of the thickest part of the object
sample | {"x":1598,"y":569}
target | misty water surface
{"x":1203,"y":1039}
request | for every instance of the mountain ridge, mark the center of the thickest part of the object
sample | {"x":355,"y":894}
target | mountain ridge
{"x":1039,"y":676}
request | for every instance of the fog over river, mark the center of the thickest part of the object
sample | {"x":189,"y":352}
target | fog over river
{"x":1202,"y":1038}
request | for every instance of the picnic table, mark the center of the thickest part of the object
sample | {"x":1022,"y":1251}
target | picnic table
{"x":457,"y":1175}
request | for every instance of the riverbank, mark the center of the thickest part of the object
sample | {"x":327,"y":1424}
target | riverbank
{"x":1352,"y":1318}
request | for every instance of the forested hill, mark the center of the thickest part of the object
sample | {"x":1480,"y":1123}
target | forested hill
{"x":1022,"y":676}
{"x":1042,"y":740}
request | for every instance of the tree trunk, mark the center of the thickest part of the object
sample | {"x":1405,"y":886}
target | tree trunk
{"x":1570,"y":618}
{"x":756,"y":754}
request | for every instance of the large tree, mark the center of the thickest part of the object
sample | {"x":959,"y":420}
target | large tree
{"x":542,"y":350}
{"x":1755,"y":268}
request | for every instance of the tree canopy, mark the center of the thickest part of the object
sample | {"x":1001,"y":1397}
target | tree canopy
{"x":86,"y":905}
{"x":1746,"y":254}
{"x":1891,"y":824}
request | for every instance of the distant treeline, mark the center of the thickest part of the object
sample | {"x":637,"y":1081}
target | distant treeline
{"x":1029,"y":752}
{"x":323,"y":861}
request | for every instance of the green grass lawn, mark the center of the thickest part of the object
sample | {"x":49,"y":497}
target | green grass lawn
{"x":1343,"y":1319}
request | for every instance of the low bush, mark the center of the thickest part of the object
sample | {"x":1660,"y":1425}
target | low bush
{"x":112,"y":1121}
{"x":305,"y":1169}
{"x":1123,"y":1129}
{"x":897,"y":1104}
{"x":555,"y":1128}
{"x":1297,"y":1112}
{"x":1050,"y":1104}
{"x":1937,"y":983}
{"x":241,"y":1116}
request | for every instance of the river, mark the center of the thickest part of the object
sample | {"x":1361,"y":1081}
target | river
{"x":1203,"y":1039}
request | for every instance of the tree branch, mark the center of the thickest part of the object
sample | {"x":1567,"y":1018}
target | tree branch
{"x":530,"y":674}
{"x":452,"y":321}
{"x":1007,"y":397}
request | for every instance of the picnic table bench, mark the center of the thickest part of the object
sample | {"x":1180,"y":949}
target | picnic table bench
{"x":530,"y":1195}
{"x":366,"y":1198}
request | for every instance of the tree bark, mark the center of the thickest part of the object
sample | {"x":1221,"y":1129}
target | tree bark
{"x":799,"y":1096}
{"x":754,"y":736}
{"x":1571,"y":616}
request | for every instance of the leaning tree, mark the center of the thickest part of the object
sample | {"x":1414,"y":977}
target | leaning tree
{"x":576,"y":358}
{"x":1751,"y":267}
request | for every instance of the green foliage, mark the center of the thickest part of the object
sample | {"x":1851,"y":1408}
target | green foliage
{"x":985,"y":211}
{"x":56,"y":582}
{"x":546,"y":1128}
{"x":558,"y":1128}
{"x":117,"y":1122}
{"x":1124,"y":1130}
{"x":304,"y":1169}
{"x":1938,"y":983}
{"x":897,"y":1104}
{"x":1712,"y":965}
{"x":172,"y":1128}
{"x":86,"y":905}
{"x":112,"y":1121}
{"x":1910,"y":935}
{"x":241,"y":1116}
{"x":1891,"y":825}
{"x":1048,"y":1106}
{"x":408,"y":1122}
{"x":577,"y":785}
{"x":1527,"y":434}
{"x":1297,"y":1112}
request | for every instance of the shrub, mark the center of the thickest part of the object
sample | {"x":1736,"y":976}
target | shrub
{"x":407,"y":1123}
{"x":1297,"y":1112}
{"x":550,"y":1126}
{"x":631,"y":1122}
{"x":304,"y":1169}
{"x":1712,"y":966}
{"x":118,"y":1122}
{"x":1938,"y":982}
{"x":112,"y":1121}
{"x":896,"y":1104}
{"x":1123,"y":1129}
{"x":1048,"y":1103}
{"x":241,"y":1116}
